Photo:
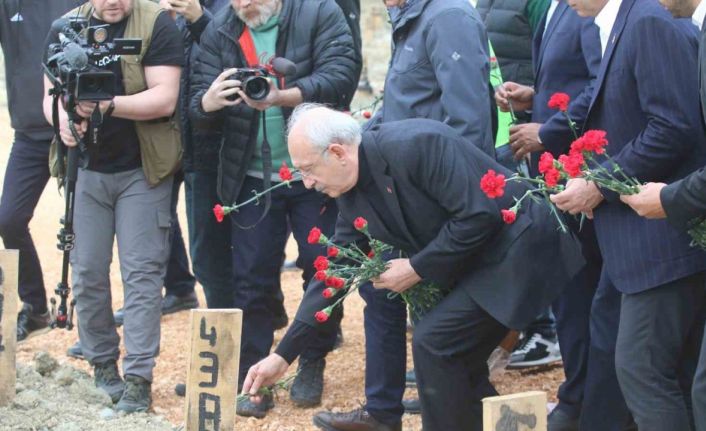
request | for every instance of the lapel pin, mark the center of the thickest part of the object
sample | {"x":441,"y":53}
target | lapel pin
{"x":389,"y":190}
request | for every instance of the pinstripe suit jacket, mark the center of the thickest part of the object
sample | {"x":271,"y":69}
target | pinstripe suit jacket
{"x":685,"y":200}
{"x":644,"y":99}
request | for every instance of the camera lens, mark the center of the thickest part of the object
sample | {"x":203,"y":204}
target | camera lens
{"x":256,"y":87}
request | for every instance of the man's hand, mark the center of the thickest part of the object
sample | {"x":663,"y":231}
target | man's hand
{"x":580,"y":196}
{"x":272,"y":99}
{"x":524,"y":139}
{"x":647,"y":203}
{"x":215,"y":98}
{"x":398,"y":277}
{"x":190,"y":9}
{"x":265,"y":373}
{"x":519,"y":95}
{"x":65,"y":133}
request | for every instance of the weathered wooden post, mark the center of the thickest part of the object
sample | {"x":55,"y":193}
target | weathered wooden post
{"x":517,"y":412}
{"x":9,"y":261}
{"x":212,"y":379}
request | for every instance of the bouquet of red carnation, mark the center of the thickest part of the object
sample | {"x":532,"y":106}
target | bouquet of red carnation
{"x":285,"y":174}
{"x":345,"y":268}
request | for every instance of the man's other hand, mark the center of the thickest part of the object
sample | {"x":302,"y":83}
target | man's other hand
{"x":265,"y":373}
{"x":215,"y":97}
{"x":580,"y":196}
{"x":519,"y":95}
{"x":647,"y":203}
{"x":398,"y":277}
{"x":524,"y":139}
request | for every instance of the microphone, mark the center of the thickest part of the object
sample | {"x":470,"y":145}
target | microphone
{"x":74,"y":55}
{"x":59,"y":25}
{"x":283,"y":66}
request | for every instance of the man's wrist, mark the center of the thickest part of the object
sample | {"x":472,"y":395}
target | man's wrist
{"x":111,"y":107}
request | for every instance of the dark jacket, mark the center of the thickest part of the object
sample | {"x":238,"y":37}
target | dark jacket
{"x":644,"y":99}
{"x":567,"y":58}
{"x":24,"y":25}
{"x":430,"y":181}
{"x":200,"y":146}
{"x":685,"y":201}
{"x":314,"y":35}
{"x":510,"y":33}
{"x":351,"y":11}
{"x":440,"y":69}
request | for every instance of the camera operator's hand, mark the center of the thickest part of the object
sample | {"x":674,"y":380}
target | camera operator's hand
{"x":216,"y":97}
{"x":85,"y":109}
{"x":272,"y":99}
{"x":190,"y":9}
{"x":65,"y":133}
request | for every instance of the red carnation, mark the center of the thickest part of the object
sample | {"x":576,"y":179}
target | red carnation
{"x":321,"y":316}
{"x":335,"y":282}
{"x":492,"y":184}
{"x":559,"y":101}
{"x":219,"y":212}
{"x":594,"y":140}
{"x":315,"y":236}
{"x":284,"y":173}
{"x":551,"y":177}
{"x":360,"y":223}
{"x":321,"y":263}
{"x":509,"y":216}
{"x":577,"y":147}
{"x":371,"y":254}
{"x":546,"y":162}
{"x":320,"y":275}
{"x":332,"y":252}
{"x":572,"y":164}
{"x":328,"y":293}
{"x":367,"y":115}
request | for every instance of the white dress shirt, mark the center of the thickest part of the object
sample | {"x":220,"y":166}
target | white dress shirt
{"x":550,"y":13}
{"x":605,"y":20}
{"x":699,"y":14}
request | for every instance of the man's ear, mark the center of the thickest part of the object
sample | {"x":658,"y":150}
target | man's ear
{"x":337,"y":151}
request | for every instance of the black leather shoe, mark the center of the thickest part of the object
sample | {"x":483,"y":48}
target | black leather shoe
{"x":356,"y":420}
{"x":30,"y":324}
{"x":410,"y":378}
{"x":172,"y":303}
{"x":309,"y":383}
{"x":75,"y":351}
{"x":248,"y":408}
{"x":559,"y":420}
{"x":412,"y":406}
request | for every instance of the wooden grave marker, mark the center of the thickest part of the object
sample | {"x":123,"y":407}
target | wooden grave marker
{"x":526,"y":411}
{"x":9,"y":260}
{"x":212,"y":379}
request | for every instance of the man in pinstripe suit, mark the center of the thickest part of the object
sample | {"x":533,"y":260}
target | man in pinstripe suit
{"x":649,"y":306}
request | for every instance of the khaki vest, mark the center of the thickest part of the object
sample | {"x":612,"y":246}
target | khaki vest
{"x":160,"y":139}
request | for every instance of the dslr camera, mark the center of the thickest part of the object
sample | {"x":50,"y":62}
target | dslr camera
{"x":71,"y":60}
{"x":254,"y":80}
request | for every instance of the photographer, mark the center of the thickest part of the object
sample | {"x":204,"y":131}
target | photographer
{"x":315,"y":36}
{"x":24,"y":26}
{"x":123,"y":190}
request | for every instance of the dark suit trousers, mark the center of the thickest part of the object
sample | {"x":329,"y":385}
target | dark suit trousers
{"x":603,"y":407}
{"x":451,"y":346}
{"x":573,"y":311}
{"x":178,"y":279}
{"x":698,"y":390}
{"x":657,"y":352}
{"x":26,"y":176}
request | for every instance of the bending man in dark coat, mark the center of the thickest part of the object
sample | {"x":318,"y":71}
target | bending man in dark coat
{"x":417,"y":184}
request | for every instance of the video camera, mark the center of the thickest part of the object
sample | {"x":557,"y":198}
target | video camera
{"x":254,"y":80}
{"x":71,"y":60}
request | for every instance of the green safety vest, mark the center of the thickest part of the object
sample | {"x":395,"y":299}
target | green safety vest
{"x":502,"y":137}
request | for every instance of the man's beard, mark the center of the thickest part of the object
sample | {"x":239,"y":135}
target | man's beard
{"x":265,"y":11}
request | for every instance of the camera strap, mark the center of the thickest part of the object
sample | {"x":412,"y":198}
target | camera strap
{"x":248,"y":47}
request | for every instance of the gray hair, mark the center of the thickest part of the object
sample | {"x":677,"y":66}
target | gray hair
{"x":329,"y":126}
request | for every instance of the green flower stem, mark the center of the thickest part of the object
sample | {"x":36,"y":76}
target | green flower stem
{"x":283,"y":384}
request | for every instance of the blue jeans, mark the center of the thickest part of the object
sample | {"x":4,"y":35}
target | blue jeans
{"x":178,"y":280}
{"x":26,"y":176}
{"x":209,"y":241}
